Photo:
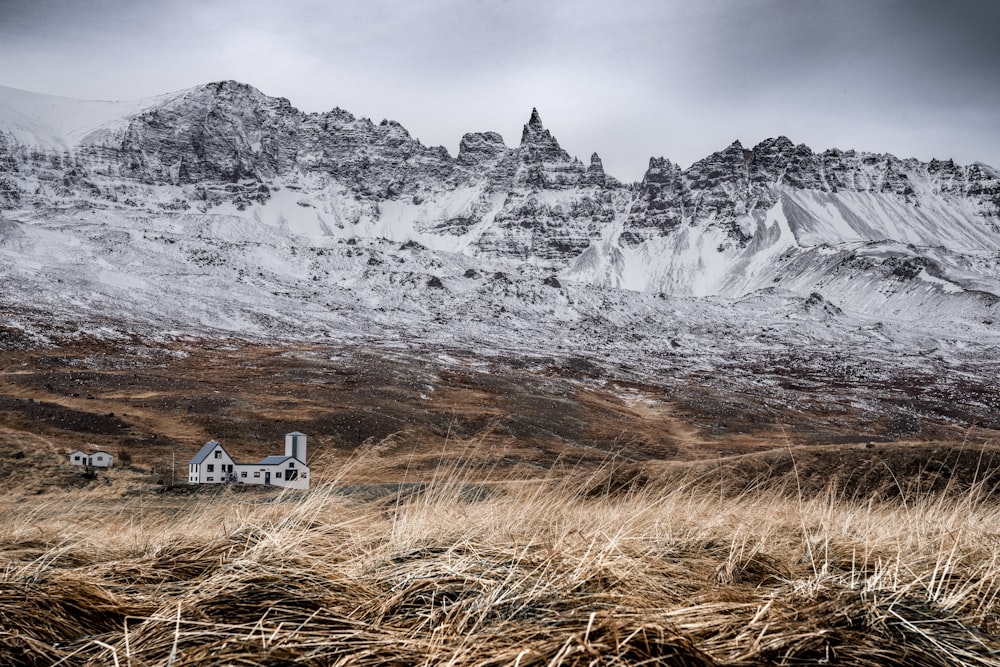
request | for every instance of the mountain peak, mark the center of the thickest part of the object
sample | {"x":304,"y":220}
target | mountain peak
{"x":775,"y":143}
{"x":595,"y":172}
{"x":230,"y":87}
{"x":535,"y":122}
{"x":480,"y":147}
{"x":228,"y":84}
{"x":534,"y":130}
{"x":538,"y":144}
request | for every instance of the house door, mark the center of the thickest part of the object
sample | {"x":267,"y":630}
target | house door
{"x":267,"y":477}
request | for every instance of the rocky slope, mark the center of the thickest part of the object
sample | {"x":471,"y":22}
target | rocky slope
{"x":219,"y":209}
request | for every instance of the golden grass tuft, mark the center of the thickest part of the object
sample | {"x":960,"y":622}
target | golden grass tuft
{"x":520,"y":573}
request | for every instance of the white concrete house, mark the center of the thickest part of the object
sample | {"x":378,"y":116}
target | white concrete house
{"x":97,"y":459}
{"x":100,"y":460}
{"x":213,"y":465}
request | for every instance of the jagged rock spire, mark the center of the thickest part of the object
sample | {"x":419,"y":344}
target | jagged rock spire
{"x":538,"y":144}
{"x":535,"y":122}
{"x":534,"y":129}
{"x":595,"y":172}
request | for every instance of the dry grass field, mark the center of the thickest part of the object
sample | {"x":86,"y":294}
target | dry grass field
{"x":571,"y":569}
{"x":465,"y":513}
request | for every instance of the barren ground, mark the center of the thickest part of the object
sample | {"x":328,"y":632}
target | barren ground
{"x":503,"y":417}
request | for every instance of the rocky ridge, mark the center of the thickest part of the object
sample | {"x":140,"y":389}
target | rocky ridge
{"x":229,"y":164}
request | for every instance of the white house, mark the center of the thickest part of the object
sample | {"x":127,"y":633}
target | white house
{"x":97,"y":459}
{"x":100,"y":460}
{"x":213,"y":465}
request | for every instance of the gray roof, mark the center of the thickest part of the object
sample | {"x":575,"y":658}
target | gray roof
{"x":207,"y":449}
{"x":274,"y":460}
{"x":295,"y":433}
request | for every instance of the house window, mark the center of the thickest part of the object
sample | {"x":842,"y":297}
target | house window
{"x":291,"y":464}
{"x":211,"y":467}
{"x":76,"y":458}
{"x":277,"y":475}
{"x":209,"y":479}
{"x":256,"y":474}
{"x":218,"y":453}
{"x":243,"y":474}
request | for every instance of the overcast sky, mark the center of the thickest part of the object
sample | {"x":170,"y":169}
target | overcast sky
{"x":628,"y":80}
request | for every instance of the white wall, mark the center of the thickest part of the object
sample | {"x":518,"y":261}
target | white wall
{"x":200,"y":473}
{"x":249,"y":473}
{"x":257,"y":473}
{"x":100,"y":460}
{"x":295,"y":445}
{"x":302,"y":476}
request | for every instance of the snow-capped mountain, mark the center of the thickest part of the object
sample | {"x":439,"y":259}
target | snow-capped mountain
{"x":732,"y":223}
{"x":220,"y":209}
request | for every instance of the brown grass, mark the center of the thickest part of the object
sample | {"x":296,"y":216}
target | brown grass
{"x":160,"y":402}
{"x":451,"y":572}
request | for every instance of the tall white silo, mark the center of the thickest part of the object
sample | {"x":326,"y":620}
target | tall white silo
{"x":295,"y":445}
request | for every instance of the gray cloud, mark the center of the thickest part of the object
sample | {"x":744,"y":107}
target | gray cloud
{"x":629,"y":80}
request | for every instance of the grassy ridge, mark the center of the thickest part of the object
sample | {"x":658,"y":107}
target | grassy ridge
{"x":530,"y":573}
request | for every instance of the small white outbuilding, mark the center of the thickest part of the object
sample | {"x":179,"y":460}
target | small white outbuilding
{"x":100,"y":460}
{"x":96,"y":459}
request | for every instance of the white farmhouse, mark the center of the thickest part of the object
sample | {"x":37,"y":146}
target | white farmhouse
{"x":213,"y":465}
{"x":98,"y":459}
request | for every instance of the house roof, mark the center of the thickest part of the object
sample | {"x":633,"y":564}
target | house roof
{"x":294,"y":433}
{"x":274,"y":460}
{"x":79,"y":451}
{"x":207,"y":449}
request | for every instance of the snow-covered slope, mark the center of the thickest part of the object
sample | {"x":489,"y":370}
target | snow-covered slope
{"x":219,"y":209}
{"x":61,"y":124}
